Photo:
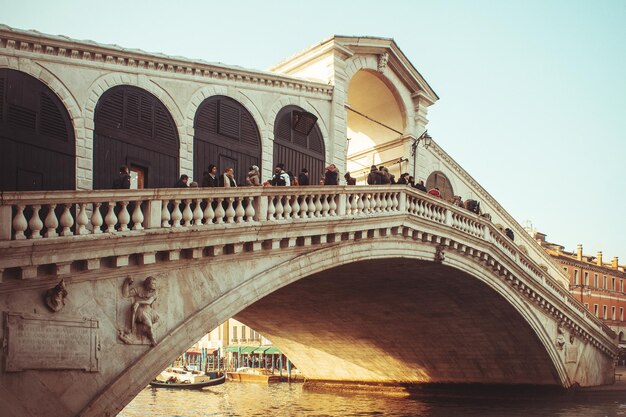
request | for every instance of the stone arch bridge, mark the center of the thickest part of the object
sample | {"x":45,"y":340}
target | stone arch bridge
{"x":355,"y":284}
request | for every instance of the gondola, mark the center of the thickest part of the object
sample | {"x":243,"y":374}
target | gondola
{"x":189,"y":385}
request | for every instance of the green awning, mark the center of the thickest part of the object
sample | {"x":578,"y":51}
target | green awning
{"x":260,"y":349}
{"x":248,"y":349}
{"x":273,"y":351}
{"x":231,"y":349}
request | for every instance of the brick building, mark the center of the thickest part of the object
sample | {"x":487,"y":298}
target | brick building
{"x":597,"y":284}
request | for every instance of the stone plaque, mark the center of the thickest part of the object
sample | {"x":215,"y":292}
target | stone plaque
{"x":35,"y":342}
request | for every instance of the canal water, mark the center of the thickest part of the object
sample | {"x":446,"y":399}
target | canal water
{"x":284,"y":399}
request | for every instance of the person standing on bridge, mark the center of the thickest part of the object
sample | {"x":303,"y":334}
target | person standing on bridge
{"x":303,"y":177}
{"x":209,"y":178}
{"x":122,"y":182}
{"x":229,"y":177}
{"x":280,"y":178}
{"x":182,"y":182}
{"x":331,"y":176}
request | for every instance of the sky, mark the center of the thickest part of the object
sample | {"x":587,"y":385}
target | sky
{"x":532,"y":93}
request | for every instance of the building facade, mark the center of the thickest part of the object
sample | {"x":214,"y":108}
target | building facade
{"x":598,"y":285}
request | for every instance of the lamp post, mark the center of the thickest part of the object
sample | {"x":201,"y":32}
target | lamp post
{"x":427,"y":142}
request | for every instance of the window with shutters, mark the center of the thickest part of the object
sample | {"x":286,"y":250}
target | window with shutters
{"x":133,"y":128}
{"x":439,"y":180}
{"x":36,"y":136}
{"x":294,"y":148}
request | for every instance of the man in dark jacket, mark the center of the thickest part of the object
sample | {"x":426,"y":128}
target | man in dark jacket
{"x":123,"y":181}
{"x":303,"y":177}
{"x":374,"y":177}
{"x":280,"y":177}
{"x":182,"y":182}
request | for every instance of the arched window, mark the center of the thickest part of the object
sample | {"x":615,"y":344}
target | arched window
{"x":36,"y":136}
{"x":132,"y":127}
{"x":294,"y":147}
{"x":225,"y":135}
{"x":438,"y":179}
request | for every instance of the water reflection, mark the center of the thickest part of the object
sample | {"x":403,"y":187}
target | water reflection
{"x":235,"y":399}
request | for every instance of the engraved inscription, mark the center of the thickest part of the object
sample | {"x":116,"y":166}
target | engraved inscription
{"x":571,"y":354}
{"x":61,"y":343}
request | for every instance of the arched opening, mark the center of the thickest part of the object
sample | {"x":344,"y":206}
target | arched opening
{"x":133,"y":128}
{"x":439,"y":180}
{"x":296,"y":149}
{"x":376,"y":122}
{"x":36,"y":136}
{"x":225,"y":135}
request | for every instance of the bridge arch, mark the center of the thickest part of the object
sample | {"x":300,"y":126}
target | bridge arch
{"x":257,"y":287}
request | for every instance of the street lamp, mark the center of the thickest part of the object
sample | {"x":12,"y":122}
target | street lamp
{"x":427,"y":141}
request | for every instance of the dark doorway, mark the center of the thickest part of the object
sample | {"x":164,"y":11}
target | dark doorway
{"x":225,"y":134}
{"x":36,"y":136}
{"x":296,"y":149}
{"x":438,"y":179}
{"x":132,"y":124}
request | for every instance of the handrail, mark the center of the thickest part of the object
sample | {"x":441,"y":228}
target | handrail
{"x":50,"y":214}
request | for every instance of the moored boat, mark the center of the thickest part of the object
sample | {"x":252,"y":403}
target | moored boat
{"x":247,"y":374}
{"x":186,"y":379}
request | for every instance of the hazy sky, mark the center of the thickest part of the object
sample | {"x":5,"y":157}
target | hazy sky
{"x":532,"y":93}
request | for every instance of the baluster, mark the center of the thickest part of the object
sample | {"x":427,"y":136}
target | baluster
{"x":51,"y":222}
{"x":389,"y":201}
{"x":287,"y":207}
{"x":124,"y":217}
{"x":379,"y":203}
{"x":332,"y":206}
{"x":187,"y":213}
{"x":96,"y":219}
{"x":318,"y":206}
{"x":239,"y":211}
{"x":311,"y":206}
{"x":295,"y":207}
{"x":138,"y":216}
{"x":177,"y":215}
{"x":250,"y":213}
{"x":20,"y":224}
{"x":35,"y":224}
{"x":271,"y":209}
{"x":165,"y":214}
{"x":197,"y":212}
{"x":353,"y":205}
{"x":325,"y":205}
{"x":411,"y":205}
{"x":383,"y":202}
{"x":366,"y":204}
{"x":360,"y":205}
{"x":278,"y":208}
{"x":230,"y":211}
{"x":110,"y":219}
{"x":67,"y":221}
{"x":304,"y":207}
{"x":81,"y":220}
{"x":373,"y":204}
{"x":394,"y":202}
{"x":209,"y":214}
{"x":219,"y":211}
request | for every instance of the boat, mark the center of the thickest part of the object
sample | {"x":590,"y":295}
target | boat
{"x":247,"y":374}
{"x":187,"y":379}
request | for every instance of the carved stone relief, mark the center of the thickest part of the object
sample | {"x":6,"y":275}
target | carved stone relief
{"x":382,"y":62}
{"x":55,"y":297}
{"x":138,"y":315}
{"x":440,"y":255}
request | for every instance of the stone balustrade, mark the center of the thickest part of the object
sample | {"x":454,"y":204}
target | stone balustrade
{"x":85,"y":217}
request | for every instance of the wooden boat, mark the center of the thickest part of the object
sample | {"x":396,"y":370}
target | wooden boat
{"x":185,"y":379}
{"x":246,"y":374}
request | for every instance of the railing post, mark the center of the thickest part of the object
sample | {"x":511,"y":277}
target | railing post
{"x":403,"y":196}
{"x":448,"y":217}
{"x":152,"y":215}
{"x":5,"y":223}
{"x":260,"y":208}
{"x":341,"y":204}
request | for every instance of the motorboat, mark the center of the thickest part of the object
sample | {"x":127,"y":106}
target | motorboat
{"x":187,"y":379}
{"x":247,"y":374}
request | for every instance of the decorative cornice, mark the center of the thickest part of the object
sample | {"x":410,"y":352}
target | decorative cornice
{"x":521,"y":232}
{"x":31,"y":42}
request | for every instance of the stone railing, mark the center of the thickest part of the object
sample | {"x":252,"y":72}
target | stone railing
{"x":79,"y":215}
